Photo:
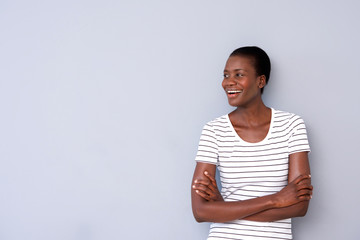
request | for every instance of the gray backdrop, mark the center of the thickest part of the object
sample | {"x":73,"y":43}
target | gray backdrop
{"x":102,"y":104}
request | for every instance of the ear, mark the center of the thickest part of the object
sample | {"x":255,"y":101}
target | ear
{"x":262,"y":81}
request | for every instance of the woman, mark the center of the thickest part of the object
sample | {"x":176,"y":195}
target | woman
{"x":261,"y":155}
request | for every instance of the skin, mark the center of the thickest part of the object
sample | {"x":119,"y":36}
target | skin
{"x":251,"y":121}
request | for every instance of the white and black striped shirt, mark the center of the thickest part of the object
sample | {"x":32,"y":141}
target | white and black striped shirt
{"x":250,"y":170}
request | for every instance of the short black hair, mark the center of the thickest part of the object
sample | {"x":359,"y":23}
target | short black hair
{"x":262,"y":63}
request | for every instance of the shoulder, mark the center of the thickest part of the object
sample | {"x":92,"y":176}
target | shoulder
{"x":222,"y":120}
{"x":217,"y":125}
{"x":284,"y":116}
{"x":288,"y":120}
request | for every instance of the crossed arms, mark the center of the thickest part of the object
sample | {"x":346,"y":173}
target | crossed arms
{"x":291,"y":201}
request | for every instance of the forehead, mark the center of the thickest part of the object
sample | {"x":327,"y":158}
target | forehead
{"x":240,"y":62}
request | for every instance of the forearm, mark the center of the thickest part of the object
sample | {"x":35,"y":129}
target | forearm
{"x":298,"y":165}
{"x":220,"y":211}
{"x":266,"y":208}
{"x":206,"y":207}
{"x":275,"y":214}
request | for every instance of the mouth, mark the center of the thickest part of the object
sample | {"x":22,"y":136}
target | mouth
{"x":232,"y":93}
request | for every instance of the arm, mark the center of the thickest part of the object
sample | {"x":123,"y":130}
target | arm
{"x":298,"y":165}
{"x":220,"y":211}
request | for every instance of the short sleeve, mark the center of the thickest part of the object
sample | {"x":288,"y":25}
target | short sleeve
{"x":298,"y":141}
{"x":208,"y":147}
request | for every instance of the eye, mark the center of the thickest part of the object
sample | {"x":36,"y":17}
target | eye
{"x":239,"y":75}
{"x":226,"y":75}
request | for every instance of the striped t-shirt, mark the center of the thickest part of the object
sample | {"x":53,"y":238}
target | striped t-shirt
{"x":250,"y":170}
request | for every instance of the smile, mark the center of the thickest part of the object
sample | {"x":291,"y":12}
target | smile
{"x":233,"y":91}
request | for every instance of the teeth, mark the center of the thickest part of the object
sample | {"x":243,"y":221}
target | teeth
{"x":233,"y":91}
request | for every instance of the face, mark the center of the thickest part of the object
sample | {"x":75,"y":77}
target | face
{"x":241,"y":82}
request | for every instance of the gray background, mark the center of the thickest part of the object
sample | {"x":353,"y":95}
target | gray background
{"x":102,"y":104}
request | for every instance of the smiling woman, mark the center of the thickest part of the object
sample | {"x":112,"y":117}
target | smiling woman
{"x":261,"y":155}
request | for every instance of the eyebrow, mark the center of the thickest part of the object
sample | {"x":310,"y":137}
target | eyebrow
{"x":237,"y":69}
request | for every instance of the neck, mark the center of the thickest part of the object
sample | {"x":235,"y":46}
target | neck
{"x":251,"y":114}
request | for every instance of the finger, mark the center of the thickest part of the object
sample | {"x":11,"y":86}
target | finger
{"x":304,"y":186}
{"x":203,"y":195}
{"x":212,"y":179}
{"x":305,"y":181}
{"x":209,"y":189}
{"x":301,"y":178}
{"x":202,"y":181}
{"x":212,"y":187}
{"x":304,"y":198}
{"x":202,"y":188}
{"x":304,"y":192}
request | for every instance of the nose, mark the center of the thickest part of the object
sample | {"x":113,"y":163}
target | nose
{"x":229,"y":81}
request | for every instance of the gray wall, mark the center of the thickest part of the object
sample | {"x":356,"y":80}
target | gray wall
{"x":102,"y":105}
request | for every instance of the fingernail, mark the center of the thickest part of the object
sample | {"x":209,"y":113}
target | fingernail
{"x":196,"y":181}
{"x":206,"y":173}
{"x":197,"y":191}
{"x":193,"y":186}
{"x":309,"y":175}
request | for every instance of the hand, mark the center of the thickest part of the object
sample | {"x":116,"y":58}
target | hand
{"x":296,"y":191}
{"x":207,"y":188}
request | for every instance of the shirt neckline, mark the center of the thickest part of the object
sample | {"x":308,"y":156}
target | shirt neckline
{"x":250,"y":143}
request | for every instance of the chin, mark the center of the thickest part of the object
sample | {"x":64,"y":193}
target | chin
{"x":233,"y":104}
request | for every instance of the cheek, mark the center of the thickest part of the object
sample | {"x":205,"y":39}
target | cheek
{"x":249,"y":83}
{"x":223,"y":84}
